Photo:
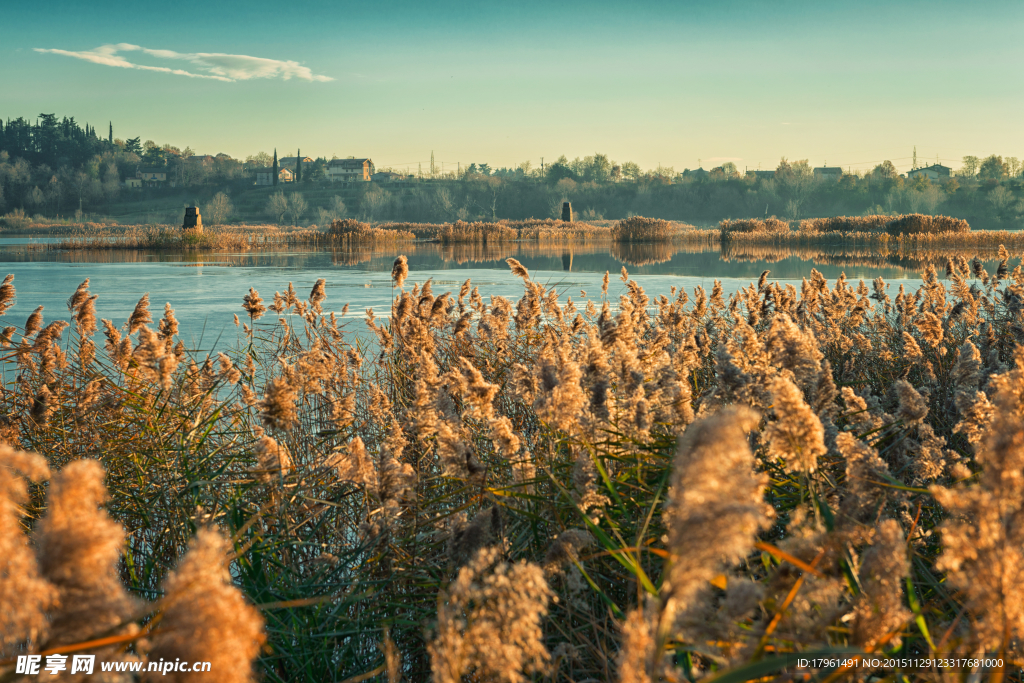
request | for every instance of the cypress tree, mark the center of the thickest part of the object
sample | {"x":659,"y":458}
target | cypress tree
{"x":110,"y":135}
{"x":274,"y":171}
{"x":298,"y":167}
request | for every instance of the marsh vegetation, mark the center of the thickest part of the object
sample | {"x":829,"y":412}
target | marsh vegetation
{"x":661,"y":487}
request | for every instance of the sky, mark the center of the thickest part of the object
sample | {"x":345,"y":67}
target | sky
{"x":676,"y":83}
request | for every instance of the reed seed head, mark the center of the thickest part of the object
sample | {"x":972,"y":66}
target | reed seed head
{"x":140,"y":316}
{"x":79,"y":548}
{"x":206,"y":618}
{"x":7,"y":294}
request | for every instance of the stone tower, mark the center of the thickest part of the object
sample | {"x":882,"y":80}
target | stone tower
{"x":193,"y":221}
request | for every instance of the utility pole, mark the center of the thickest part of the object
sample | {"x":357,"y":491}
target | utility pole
{"x":915,"y":158}
{"x":433,"y":170}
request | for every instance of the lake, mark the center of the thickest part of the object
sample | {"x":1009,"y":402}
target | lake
{"x":205,"y":290}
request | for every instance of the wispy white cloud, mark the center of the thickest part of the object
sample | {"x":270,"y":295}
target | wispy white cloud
{"x":215,"y":66}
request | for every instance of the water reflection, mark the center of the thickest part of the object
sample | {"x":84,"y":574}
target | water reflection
{"x":206,"y":288}
{"x":731,"y":260}
{"x":643,"y":253}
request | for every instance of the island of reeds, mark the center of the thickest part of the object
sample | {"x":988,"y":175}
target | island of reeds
{"x":668,"y":486}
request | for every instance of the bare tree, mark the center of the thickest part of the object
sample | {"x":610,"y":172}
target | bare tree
{"x":277,"y":206}
{"x":375,"y":202}
{"x":218,"y":210}
{"x":443,"y":203}
{"x":297,"y":206}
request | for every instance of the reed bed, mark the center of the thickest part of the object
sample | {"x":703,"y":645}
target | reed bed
{"x":753,"y":227}
{"x":874,"y":223}
{"x":430,"y":230}
{"x":559,"y":232}
{"x":350,"y":230}
{"x":649,"y":489}
{"x":483,"y":233}
{"x":640,"y":229}
{"x":421,"y":230}
{"x":909,"y":224}
{"x":171,"y":238}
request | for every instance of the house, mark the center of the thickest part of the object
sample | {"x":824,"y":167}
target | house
{"x":133,"y":182}
{"x":265,"y":176}
{"x":152,"y":175}
{"x":934,"y":172}
{"x":290,"y":161}
{"x":828,"y":173}
{"x":351,"y":169}
{"x":389,"y":177}
{"x":762,"y":175}
{"x":697,"y":173}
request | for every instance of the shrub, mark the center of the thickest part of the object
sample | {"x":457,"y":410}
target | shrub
{"x":16,"y":220}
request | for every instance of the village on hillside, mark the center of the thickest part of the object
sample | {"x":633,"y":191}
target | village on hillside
{"x":289,"y":170}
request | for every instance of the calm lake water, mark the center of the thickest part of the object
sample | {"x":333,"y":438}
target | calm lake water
{"x":205,"y":290}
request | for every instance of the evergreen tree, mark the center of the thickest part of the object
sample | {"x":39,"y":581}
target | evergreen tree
{"x":298,"y":167}
{"x":274,"y":170}
{"x":110,"y":135}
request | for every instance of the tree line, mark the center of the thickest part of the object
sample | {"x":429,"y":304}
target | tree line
{"x":55,"y":166}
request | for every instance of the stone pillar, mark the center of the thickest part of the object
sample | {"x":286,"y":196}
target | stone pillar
{"x":566,"y":212}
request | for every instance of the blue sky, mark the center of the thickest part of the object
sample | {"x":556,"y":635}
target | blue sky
{"x":502,"y":82}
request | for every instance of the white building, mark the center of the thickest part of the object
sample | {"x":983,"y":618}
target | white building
{"x":351,"y":169}
{"x":934,"y":172}
{"x":828,"y":172}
